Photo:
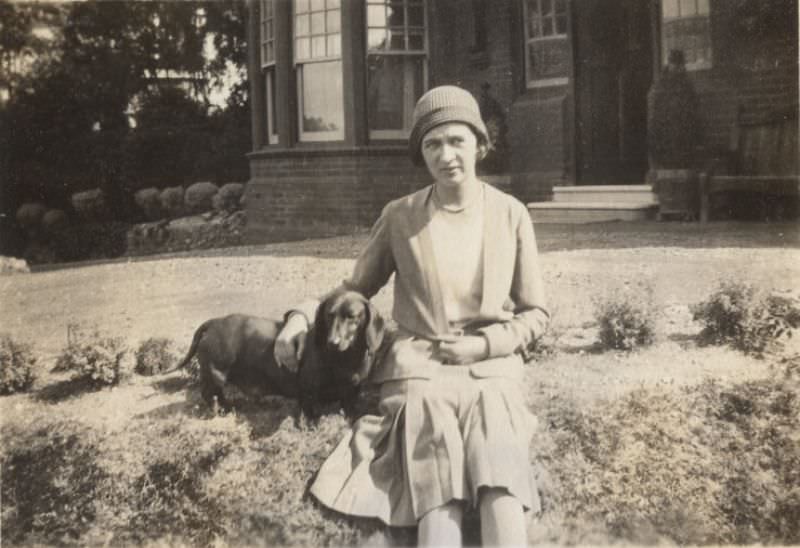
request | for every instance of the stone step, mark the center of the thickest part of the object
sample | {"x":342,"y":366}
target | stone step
{"x":591,"y":212}
{"x":604,"y":193}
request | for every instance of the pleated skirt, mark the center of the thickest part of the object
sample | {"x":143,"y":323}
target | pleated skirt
{"x":436,"y":440}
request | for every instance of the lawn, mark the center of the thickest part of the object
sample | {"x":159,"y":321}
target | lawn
{"x":676,"y":443}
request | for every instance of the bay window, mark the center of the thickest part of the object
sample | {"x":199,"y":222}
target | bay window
{"x":318,"y":62}
{"x":267,"y":28}
{"x":396,"y":65}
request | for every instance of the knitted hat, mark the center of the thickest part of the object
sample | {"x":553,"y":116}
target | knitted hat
{"x":442,"y":105}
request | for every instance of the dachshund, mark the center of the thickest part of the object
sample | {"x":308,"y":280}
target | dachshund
{"x":342,"y":347}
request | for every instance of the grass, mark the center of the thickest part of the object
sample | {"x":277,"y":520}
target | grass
{"x":673,"y":443}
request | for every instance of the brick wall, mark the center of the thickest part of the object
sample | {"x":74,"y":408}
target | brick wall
{"x":754,"y":68}
{"x":297,"y":194}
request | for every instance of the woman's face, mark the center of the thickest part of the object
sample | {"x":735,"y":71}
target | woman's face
{"x":451,"y":152}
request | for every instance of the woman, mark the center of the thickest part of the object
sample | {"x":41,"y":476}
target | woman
{"x":468,"y":301}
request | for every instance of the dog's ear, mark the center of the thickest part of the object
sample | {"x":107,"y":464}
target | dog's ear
{"x":321,"y":326}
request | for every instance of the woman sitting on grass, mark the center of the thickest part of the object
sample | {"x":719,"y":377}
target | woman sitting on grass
{"x":454,"y":429}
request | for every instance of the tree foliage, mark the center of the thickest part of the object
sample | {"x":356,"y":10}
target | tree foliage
{"x":86,"y":80}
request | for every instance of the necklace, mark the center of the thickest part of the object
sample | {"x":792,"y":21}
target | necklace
{"x":453,"y":208}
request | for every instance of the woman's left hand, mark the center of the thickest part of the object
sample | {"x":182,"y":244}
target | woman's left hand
{"x":463,"y":350}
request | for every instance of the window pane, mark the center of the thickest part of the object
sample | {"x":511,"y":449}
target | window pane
{"x":561,"y":6}
{"x":561,"y":24}
{"x":546,"y":7}
{"x":318,"y":46}
{"x":397,"y":40}
{"x":318,"y":23}
{"x":376,"y":16}
{"x":533,"y":28}
{"x":333,"y":4}
{"x":416,"y":41}
{"x":702,"y":7}
{"x":416,"y":17}
{"x":322,"y":109}
{"x":334,"y":45}
{"x":302,"y":48}
{"x":376,"y":39}
{"x":301,"y":6}
{"x":396,"y":15}
{"x":688,"y":8}
{"x":547,"y":27}
{"x":317,"y":5}
{"x":394,"y":83}
{"x":669,"y":8}
{"x":301,"y":25}
{"x":334,"y":21}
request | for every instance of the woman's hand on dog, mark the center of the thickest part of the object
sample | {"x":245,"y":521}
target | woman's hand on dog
{"x":463,"y":350}
{"x":291,"y":342}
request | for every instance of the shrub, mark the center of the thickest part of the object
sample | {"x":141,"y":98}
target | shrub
{"x":171,"y":200}
{"x":54,"y":221}
{"x":711,"y":464}
{"x":199,"y":197}
{"x":229,"y":197}
{"x":29,"y":216}
{"x":16,"y":366}
{"x":91,"y":204}
{"x":98,"y":359}
{"x":626,"y":317}
{"x":51,"y":481}
{"x":83,"y":241}
{"x":149,"y":202}
{"x":738,"y":315}
{"x":154,"y":356}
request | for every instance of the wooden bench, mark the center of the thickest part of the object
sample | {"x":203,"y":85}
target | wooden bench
{"x":763,"y":160}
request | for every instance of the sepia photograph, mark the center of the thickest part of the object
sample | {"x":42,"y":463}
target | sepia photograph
{"x":399,"y":273}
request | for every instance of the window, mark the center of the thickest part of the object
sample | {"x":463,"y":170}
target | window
{"x":546,"y":44}
{"x":396,"y":65}
{"x":318,"y":58}
{"x":686,"y":27}
{"x":268,"y":65}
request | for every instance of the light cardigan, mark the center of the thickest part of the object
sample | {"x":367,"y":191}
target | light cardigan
{"x":512,"y":312}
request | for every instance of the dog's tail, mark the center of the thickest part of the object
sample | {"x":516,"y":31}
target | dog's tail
{"x":198,"y":335}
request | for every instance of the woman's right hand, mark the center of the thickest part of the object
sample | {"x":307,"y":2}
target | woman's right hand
{"x":291,"y":342}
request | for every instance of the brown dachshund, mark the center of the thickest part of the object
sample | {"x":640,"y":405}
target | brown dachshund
{"x":340,"y":351}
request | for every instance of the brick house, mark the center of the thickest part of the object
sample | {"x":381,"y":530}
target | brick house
{"x":563,"y":84}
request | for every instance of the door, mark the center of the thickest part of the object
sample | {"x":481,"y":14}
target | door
{"x":613,"y":72}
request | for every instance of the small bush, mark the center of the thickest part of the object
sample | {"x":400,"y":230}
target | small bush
{"x":626,"y":318}
{"x":149,"y":202}
{"x":229,"y":197}
{"x":29,"y":215}
{"x":738,"y":315}
{"x":199,"y":197}
{"x":54,"y":221}
{"x":91,"y":205}
{"x":154,"y":356}
{"x":16,"y":366}
{"x":171,"y":200}
{"x":98,"y":359}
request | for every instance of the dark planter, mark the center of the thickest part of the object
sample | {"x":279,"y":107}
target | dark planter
{"x":678,"y":192}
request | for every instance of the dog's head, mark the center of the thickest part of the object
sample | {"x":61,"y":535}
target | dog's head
{"x":345,"y":320}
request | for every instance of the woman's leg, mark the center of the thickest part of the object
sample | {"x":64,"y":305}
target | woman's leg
{"x":441,"y":526}
{"x":502,"y":519}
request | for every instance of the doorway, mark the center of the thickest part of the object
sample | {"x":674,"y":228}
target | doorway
{"x":613,"y":73}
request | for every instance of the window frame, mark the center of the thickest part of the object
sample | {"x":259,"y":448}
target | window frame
{"x":697,"y":14}
{"x":529,"y":40}
{"x":299,"y":64}
{"x":268,"y":66}
{"x":424,"y":54}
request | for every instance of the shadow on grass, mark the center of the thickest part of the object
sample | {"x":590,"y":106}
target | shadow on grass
{"x":170,"y":385}
{"x":63,"y":390}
